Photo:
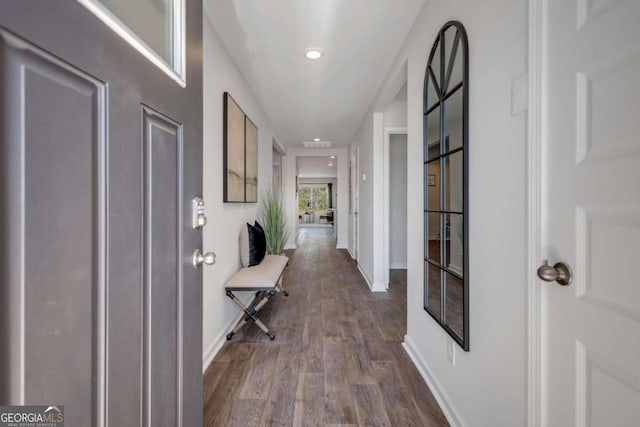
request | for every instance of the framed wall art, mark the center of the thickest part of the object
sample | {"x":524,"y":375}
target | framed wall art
{"x":233,"y":152}
{"x":240,"y":154}
{"x":251,"y":161}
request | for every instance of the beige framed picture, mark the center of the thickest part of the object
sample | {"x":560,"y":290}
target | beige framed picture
{"x":233,"y":151}
{"x":251,"y":161}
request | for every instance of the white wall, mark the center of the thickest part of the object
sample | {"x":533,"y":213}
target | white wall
{"x":225,"y":219}
{"x":395,"y":115}
{"x":397,"y":201}
{"x":487,"y":386}
{"x":370,"y":134}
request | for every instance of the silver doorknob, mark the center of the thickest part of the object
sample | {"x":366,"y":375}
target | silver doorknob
{"x":559,"y":272}
{"x":199,"y":258}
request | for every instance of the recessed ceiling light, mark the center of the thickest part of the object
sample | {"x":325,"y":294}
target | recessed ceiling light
{"x":330,"y":164}
{"x":332,"y":157}
{"x":313,"y":53}
{"x":316,"y":139}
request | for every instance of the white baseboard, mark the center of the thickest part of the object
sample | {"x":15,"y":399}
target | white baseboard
{"x":379,"y":287}
{"x":351,"y":253}
{"x":290,"y":246}
{"x":342,"y":247}
{"x":211,"y":352}
{"x":375,"y":287}
{"x":398,"y":265}
{"x":217,"y":343}
{"x":447,"y":406}
{"x":364,"y":275}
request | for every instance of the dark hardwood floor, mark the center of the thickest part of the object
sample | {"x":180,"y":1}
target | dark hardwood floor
{"x":337,"y":358}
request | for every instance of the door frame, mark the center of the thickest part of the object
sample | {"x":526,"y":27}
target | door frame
{"x":537,"y":49}
{"x":386,"y":218}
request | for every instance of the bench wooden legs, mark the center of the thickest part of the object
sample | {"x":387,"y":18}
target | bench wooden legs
{"x":261,"y":298}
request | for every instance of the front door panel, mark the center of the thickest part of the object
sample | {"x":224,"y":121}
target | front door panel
{"x":100,"y":153}
{"x":55,"y":231}
{"x":162,"y":287}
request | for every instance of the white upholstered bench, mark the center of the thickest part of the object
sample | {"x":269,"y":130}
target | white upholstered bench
{"x":265,"y":280}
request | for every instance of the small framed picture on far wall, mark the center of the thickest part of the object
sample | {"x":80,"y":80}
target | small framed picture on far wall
{"x":431,"y":180}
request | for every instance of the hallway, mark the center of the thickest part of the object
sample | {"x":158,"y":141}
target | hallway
{"x":337,"y":357}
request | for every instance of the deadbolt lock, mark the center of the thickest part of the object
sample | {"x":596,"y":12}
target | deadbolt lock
{"x":199,"y":219}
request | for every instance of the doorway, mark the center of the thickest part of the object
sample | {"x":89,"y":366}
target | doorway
{"x":395,"y":202}
{"x":276,"y":167}
{"x":316,"y":201}
{"x":311,"y":166}
{"x":397,"y":243}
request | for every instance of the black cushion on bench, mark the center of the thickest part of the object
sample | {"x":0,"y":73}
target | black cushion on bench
{"x":253,"y":244}
{"x":257,"y":244}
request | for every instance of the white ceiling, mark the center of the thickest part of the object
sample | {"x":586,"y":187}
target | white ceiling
{"x":316,"y":167}
{"x":328,"y":97}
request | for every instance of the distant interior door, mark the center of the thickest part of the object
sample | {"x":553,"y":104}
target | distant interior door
{"x":100,"y":153}
{"x":592,"y":203}
{"x":356,"y":202}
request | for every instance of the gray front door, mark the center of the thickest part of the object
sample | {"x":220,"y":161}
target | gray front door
{"x":100,"y":155}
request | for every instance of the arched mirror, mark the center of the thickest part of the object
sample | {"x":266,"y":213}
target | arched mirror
{"x":446,"y":162}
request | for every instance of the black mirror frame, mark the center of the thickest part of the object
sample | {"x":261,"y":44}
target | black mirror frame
{"x":462,"y":44}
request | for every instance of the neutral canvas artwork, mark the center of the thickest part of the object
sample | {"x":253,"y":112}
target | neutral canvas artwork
{"x":234,"y":151}
{"x":251,"y":165}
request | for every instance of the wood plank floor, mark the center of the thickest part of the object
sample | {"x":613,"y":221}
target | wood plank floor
{"x":337,"y":358}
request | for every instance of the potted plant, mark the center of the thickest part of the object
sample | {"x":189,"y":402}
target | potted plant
{"x":274,"y":220}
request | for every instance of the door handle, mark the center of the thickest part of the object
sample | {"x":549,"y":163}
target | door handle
{"x":199,"y":258}
{"x":559,"y":272}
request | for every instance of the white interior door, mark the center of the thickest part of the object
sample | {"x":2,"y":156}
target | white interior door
{"x":591,"y":350}
{"x":356,"y":203}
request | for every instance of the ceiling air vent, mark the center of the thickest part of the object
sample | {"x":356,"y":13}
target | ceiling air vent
{"x":317,"y":144}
